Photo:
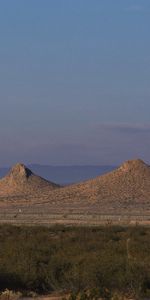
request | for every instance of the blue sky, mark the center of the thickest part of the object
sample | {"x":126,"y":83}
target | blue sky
{"x":74,"y":81}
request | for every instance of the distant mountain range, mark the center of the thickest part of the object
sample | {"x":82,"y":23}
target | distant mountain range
{"x":64,"y":175}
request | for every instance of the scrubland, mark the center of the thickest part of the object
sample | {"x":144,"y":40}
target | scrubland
{"x":92,"y":262}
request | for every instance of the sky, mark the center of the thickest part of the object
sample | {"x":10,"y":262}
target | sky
{"x":74,"y":81}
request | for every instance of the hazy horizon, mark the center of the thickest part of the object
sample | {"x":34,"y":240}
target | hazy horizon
{"x":56,"y":166}
{"x":74,"y":82}
{"x":64,"y":175}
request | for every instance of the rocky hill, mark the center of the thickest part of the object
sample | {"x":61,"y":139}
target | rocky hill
{"x":131,"y":181}
{"x":20,"y":181}
{"x":126,"y":187}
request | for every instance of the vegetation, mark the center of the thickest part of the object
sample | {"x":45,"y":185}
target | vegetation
{"x":90,"y":262}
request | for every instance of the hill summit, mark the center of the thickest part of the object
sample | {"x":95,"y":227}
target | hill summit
{"x":19,"y":172}
{"x":21,"y":181}
{"x":134,"y":165}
